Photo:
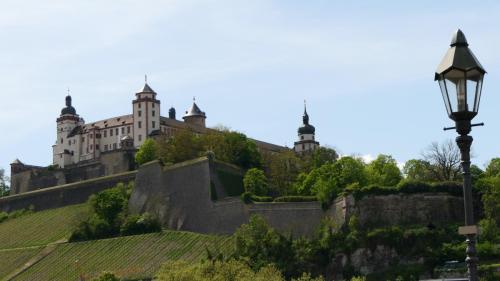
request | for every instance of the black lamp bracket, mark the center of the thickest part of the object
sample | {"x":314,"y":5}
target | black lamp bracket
{"x":473,"y":125}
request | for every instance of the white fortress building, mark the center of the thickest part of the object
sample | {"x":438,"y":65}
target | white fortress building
{"x":79,"y":141}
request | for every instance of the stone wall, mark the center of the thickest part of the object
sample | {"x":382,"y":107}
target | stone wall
{"x":63,"y":195}
{"x":407,"y":209}
{"x":180,"y":196}
{"x":26,"y":178}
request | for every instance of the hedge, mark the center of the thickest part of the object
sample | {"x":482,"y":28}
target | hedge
{"x":295,"y":199}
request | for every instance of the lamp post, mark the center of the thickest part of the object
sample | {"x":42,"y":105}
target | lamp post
{"x":460,"y":77}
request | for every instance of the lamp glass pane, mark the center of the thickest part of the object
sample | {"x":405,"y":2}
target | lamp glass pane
{"x":478,"y":95}
{"x":444,"y":93}
{"x":456,"y":86}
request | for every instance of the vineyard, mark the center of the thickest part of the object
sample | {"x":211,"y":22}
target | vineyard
{"x":133,"y":257}
{"x":26,"y":238}
{"x":40,"y":228}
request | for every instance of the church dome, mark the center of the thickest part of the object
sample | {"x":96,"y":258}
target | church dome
{"x":69,"y":109}
{"x":306,"y":128}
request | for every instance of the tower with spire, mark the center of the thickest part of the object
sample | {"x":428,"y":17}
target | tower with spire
{"x":306,"y":132}
{"x":64,"y":149}
{"x":146,"y":114}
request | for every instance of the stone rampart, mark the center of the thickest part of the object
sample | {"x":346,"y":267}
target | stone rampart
{"x":26,"y":178}
{"x":63,"y":195}
{"x":180,"y":196}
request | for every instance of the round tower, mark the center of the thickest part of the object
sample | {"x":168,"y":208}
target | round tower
{"x":195,"y":116}
{"x":306,"y":133}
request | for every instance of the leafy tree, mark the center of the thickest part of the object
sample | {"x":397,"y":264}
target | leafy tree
{"x":418,"y":170}
{"x":108,"y":204}
{"x":147,"y":152}
{"x":384,"y":171}
{"x":255,"y":182}
{"x":283,"y":168}
{"x":4,"y":186}
{"x":445,"y":160}
{"x":493,"y":168}
{"x":184,"y":146}
{"x":476,"y":173}
{"x":232,"y":147}
{"x":323,"y":155}
{"x":491,"y":204}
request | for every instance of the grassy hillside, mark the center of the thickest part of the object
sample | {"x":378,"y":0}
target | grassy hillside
{"x":39,"y":228}
{"x":134,"y":257}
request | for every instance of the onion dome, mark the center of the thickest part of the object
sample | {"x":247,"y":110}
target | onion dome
{"x":171,"y":113}
{"x":69,"y":109}
{"x":306,"y":128}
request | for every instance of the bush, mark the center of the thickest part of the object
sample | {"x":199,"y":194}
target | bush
{"x":147,"y":152}
{"x":139,"y":224}
{"x":3,"y":216}
{"x":295,"y":199}
{"x":249,"y":198}
{"x":255,"y":182}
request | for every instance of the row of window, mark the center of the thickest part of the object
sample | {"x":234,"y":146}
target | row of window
{"x":139,"y":113}
{"x":139,"y":104}
{"x":139,"y":124}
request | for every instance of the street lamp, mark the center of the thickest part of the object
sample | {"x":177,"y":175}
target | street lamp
{"x":460,"y":77}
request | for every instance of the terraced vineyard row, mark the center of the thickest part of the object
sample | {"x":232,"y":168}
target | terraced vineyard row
{"x":138,"y":256}
{"x":15,"y":258}
{"x":40,"y":228}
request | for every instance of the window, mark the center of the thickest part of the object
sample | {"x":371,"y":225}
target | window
{"x":83,"y":139}
{"x":303,"y":147}
{"x":128,"y":130}
{"x":111,"y":132}
{"x":139,"y":105}
{"x":105,"y":133}
{"x":153,"y":124}
{"x":114,"y":145}
{"x":91,"y":147}
{"x":105,"y":147}
{"x":87,"y":149}
{"x":153,"y":112}
{"x":301,"y":137}
{"x":139,"y":124}
{"x":117,"y":131}
{"x":62,"y":140}
{"x":139,"y":113}
{"x":140,"y":137}
{"x":69,"y":142}
{"x":91,"y":136}
{"x":153,"y":107}
{"x":123,"y":130}
{"x":96,"y":147}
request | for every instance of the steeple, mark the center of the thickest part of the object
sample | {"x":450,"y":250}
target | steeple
{"x":305,"y":117}
{"x":306,"y":142}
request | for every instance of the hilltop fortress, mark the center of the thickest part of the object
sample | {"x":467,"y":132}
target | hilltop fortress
{"x":89,"y":150}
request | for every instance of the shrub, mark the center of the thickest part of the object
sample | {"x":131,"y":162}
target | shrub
{"x":249,"y":198}
{"x":295,"y":199}
{"x":147,"y":152}
{"x":3,"y":216}
{"x":139,"y":224}
{"x":255,"y":182}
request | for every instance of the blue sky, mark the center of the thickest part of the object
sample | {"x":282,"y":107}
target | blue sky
{"x":366,"y":69}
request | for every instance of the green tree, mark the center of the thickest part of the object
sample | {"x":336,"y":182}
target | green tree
{"x":232,"y":147}
{"x":255,"y":182}
{"x":185,"y":145}
{"x":282,"y":169}
{"x":419,"y":170}
{"x":493,"y":168}
{"x":232,"y":270}
{"x":384,"y":171}
{"x":4,"y":186}
{"x":147,"y":152}
{"x":323,"y":155}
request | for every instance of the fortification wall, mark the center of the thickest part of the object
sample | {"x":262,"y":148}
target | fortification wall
{"x":406,"y":209}
{"x":63,"y":195}
{"x":180,"y":196}
{"x":26,"y":178}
